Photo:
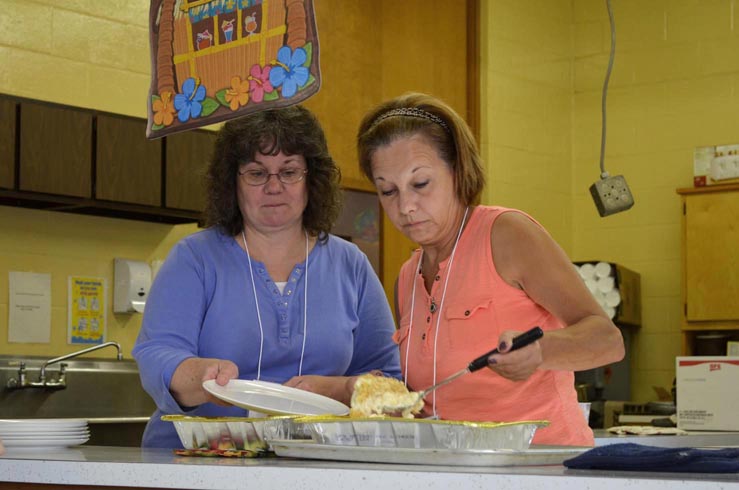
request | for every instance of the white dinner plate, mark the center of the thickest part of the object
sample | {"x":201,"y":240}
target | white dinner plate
{"x":47,"y":423}
{"x":274,"y":398}
{"x":41,"y":430}
{"x":45,"y":443}
{"x":4,"y":436}
{"x":445,"y":457}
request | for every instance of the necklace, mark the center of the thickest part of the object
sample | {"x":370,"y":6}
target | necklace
{"x":259,"y":316}
{"x":433,"y":308}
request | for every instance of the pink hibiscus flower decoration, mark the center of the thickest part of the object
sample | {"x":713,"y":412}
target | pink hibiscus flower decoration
{"x":259,"y":83}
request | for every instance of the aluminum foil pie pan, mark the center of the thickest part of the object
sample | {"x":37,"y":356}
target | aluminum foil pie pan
{"x":420,"y":433}
{"x":234,"y":432}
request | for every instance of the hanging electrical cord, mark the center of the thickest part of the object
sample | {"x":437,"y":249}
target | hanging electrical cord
{"x":611,"y":194}
{"x":603,"y":173}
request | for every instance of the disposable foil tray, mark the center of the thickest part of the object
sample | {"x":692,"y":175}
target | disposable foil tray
{"x":420,"y":433}
{"x":234,"y":432}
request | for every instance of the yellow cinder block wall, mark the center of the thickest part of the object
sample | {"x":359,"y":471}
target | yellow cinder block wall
{"x":526,"y":99}
{"x":673,"y":87}
{"x":85,"y":54}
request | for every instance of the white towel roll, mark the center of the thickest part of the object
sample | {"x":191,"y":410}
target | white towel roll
{"x":613,"y":298}
{"x":606,"y":284}
{"x":587,"y":271}
{"x":603,"y":269}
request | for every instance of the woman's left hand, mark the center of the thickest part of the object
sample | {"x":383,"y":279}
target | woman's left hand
{"x":337,"y":387}
{"x":519,"y":364}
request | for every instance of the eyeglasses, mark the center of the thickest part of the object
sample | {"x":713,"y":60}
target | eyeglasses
{"x":286,"y":176}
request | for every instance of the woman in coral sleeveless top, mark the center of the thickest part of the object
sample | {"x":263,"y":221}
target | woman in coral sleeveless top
{"x":483,"y":275}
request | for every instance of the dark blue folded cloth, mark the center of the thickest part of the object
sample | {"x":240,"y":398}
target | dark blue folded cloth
{"x":637,"y":457}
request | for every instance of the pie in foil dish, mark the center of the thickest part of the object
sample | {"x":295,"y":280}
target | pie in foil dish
{"x":374,"y":396}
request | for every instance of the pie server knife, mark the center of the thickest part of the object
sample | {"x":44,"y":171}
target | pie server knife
{"x":520,"y":341}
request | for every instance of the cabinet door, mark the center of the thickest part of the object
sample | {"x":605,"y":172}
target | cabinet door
{"x":7,"y":143}
{"x":56,"y":150}
{"x":712,"y":257}
{"x":187,"y":160}
{"x":128,"y":166}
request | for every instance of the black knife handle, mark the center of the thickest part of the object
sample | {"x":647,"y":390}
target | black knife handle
{"x":522,"y":340}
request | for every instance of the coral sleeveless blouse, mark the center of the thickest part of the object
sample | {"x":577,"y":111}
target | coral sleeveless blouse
{"x":478,"y":306}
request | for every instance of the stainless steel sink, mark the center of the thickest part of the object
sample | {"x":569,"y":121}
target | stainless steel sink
{"x":107,"y":393}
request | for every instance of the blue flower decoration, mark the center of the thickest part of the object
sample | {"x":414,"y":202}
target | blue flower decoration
{"x":189,"y":103}
{"x":289,"y":72}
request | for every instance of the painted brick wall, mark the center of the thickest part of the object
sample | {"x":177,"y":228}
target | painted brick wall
{"x":673,"y":87}
{"x":526,"y":109}
{"x":77,"y":52}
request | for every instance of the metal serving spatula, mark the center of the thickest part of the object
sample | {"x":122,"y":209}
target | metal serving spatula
{"x":522,"y":340}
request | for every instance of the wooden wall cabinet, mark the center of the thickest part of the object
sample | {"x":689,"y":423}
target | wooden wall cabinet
{"x":7,"y":143}
{"x":187,"y":159}
{"x":128,"y":166}
{"x":55,"y":150}
{"x":70,"y":159}
{"x":710,"y":263}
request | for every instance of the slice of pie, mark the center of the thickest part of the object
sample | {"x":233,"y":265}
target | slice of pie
{"x":375,"y":396}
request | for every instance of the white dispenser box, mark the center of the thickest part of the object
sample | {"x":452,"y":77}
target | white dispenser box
{"x":707,"y":394}
{"x":132,"y":281}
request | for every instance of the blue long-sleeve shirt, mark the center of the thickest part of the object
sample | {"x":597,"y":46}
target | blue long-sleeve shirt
{"x":201,"y":304}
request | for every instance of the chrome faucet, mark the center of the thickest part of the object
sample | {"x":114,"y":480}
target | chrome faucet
{"x":61,"y":382}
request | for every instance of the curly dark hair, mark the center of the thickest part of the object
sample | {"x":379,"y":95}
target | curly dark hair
{"x":292,"y":130}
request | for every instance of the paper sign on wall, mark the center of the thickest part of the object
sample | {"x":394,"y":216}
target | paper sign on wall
{"x":29,"y":307}
{"x":87,"y":310}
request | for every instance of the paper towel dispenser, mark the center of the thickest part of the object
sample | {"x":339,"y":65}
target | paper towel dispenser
{"x":132,"y":281}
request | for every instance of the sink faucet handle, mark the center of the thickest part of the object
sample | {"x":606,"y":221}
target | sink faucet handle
{"x":22,"y":372}
{"x":62,"y":380}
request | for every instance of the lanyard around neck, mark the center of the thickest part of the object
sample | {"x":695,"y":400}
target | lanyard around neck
{"x":438,"y":311}
{"x":259,"y":316}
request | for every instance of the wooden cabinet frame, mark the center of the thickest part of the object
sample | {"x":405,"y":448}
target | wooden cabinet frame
{"x":710,"y":275}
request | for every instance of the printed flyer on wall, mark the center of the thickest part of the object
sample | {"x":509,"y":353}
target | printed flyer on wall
{"x":87,"y":310}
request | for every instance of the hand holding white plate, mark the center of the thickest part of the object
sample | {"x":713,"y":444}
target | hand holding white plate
{"x":274,"y":398}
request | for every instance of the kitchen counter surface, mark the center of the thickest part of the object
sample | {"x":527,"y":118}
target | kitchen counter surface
{"x":691,"y":439}
{"x":100,"y":466}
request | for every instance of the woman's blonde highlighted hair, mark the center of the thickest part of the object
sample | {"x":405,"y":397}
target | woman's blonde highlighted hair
{"x":416,"y":113}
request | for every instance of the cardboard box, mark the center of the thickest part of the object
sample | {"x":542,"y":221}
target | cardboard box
{"x":707,"y":394}
{"x":628,"y":284}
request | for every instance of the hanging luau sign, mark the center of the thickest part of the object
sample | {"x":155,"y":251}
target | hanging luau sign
{"x":214,"y":60}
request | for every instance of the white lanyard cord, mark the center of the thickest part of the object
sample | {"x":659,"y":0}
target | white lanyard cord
{"x":305,"y":309}
{"x":438,"y":312}
{"x":259,"y":316}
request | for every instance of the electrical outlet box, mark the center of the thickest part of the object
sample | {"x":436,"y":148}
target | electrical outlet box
{"x":611,"y":195}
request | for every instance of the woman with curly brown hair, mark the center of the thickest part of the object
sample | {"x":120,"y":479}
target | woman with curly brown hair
{"x":265,"y":292}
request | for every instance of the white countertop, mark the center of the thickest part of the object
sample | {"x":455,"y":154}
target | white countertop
{"x":134,"y":467}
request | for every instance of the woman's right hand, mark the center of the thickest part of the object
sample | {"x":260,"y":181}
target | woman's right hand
{"x":187,"y":381}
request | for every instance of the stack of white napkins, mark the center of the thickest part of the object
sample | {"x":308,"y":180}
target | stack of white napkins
{"x":43,"y":433}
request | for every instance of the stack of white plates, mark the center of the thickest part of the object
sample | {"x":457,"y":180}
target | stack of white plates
{"x":43,"y":433}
